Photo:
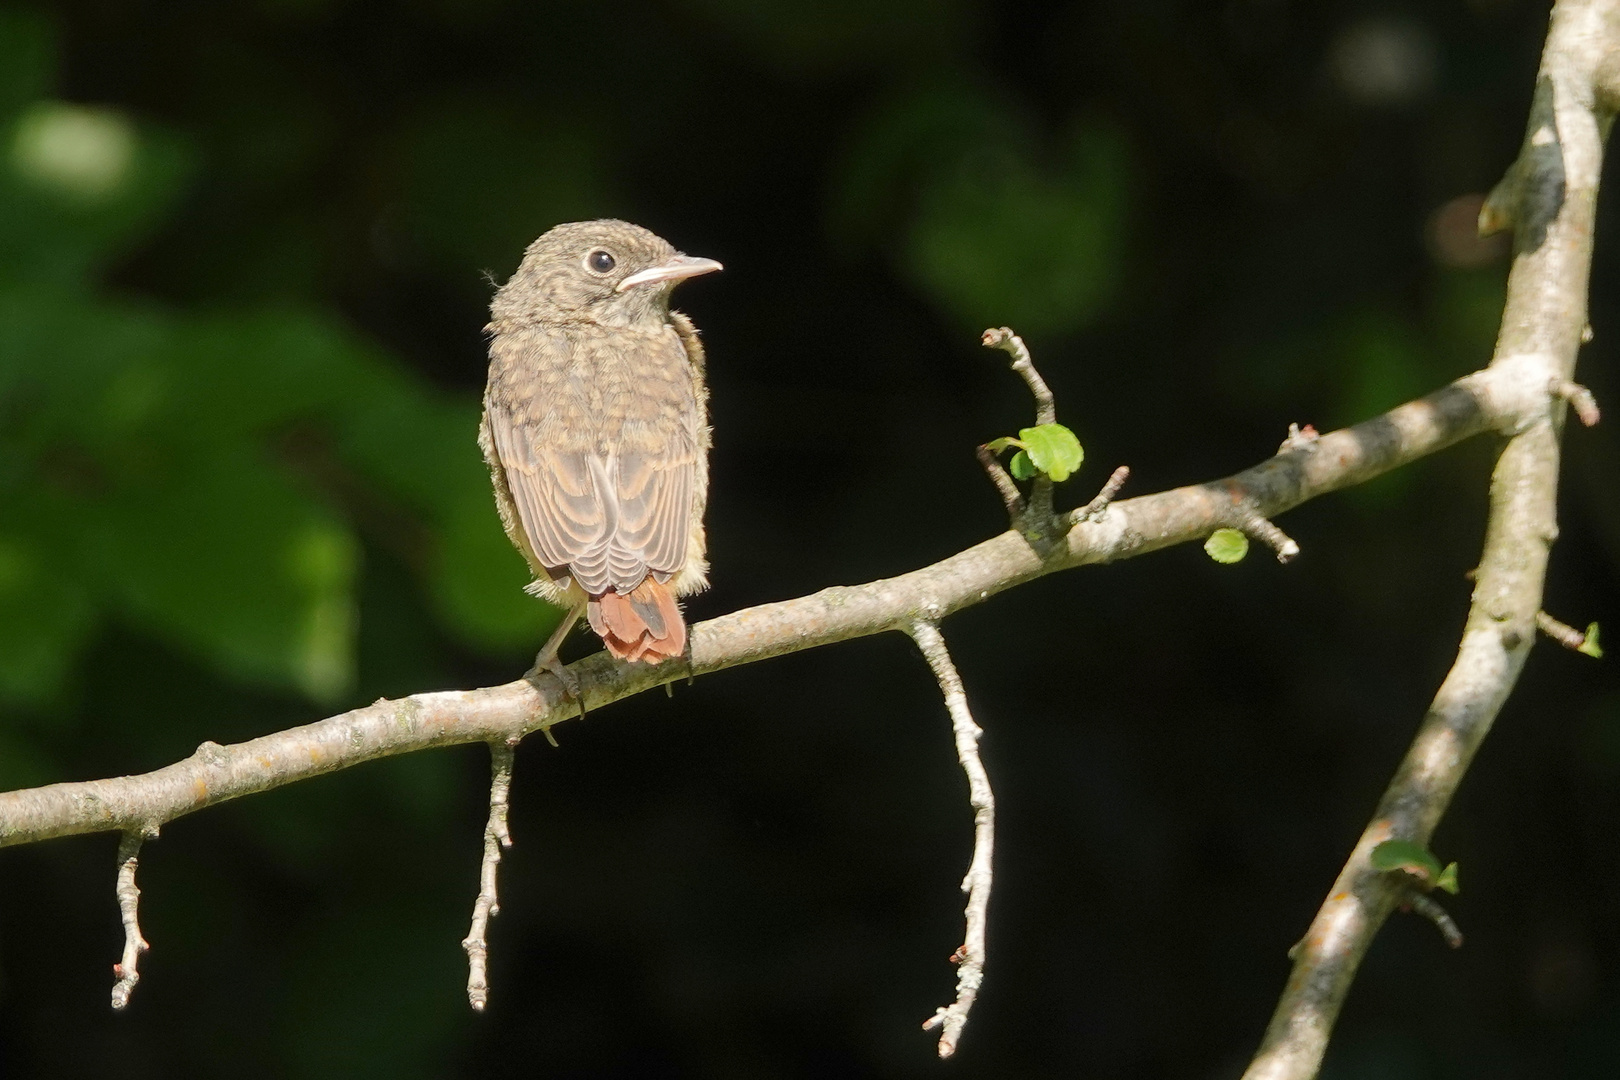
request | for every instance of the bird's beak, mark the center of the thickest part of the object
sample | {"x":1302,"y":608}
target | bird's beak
{"x":679,"y":268}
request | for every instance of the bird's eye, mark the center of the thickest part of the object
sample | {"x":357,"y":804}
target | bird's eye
{"x":600,"y":262}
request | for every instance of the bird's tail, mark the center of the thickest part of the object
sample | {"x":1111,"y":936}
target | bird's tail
{"x":643,"y":624}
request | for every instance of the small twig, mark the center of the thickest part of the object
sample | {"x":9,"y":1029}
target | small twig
{"x":1580,"y":399}
{"x":1561,"y":632}
{"x":1002,"y":337}
{"x":129,"y":902}
{"x":1010,"y":495}
{"x":970,"y":957}
{"x":1098,"y":505}
{"x":1261,"y":529}
{"x":1430,"y":909}
{"x":1037,"y":512}
{"x":496,"y":837}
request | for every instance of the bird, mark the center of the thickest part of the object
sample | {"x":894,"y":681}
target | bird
{"x":596,"y":433}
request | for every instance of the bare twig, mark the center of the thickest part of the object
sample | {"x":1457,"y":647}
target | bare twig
{"x":496,"y":837}
{"x":970,"y":957}
{"x":1549,"y":196}
{"x":1430,"y":909}
{"x":1094,"y":509}
{"x":1037,"y":513}
{"x":1010,"y":495}
{"x":1002,"y":337}
{"x":1264,"y":531}
{"x":129,"y":902}
{"x":1580,"y":399}
{"x":1565,"y":634}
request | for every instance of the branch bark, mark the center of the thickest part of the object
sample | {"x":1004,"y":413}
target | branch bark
{"x":1549,"y":197}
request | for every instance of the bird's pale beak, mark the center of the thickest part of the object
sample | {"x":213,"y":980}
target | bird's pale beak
{"x":679,"y":268}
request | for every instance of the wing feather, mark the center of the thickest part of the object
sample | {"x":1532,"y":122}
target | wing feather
{"x":611,"y":514}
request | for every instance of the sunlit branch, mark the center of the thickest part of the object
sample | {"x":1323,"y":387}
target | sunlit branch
{"x":1549,"y":198}
{"x":129,"y":904}
{"x":487,"y":904}
{"x":977,"y":882}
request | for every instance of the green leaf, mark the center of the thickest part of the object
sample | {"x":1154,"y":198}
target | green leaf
{"x":1020,"y":466}
{"x":1409,"y":857}
{"x":1590,"y":646}
{"x":1226,"y":545}
{"x":1448,"y":879}
{"x":1052,"y":449}
{"x":996,"y":446}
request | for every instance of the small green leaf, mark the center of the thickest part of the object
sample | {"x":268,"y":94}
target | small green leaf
{"x":1414,"y":859}
{"x":1226,"y":545}
{"x":1590,"y":646}
{"x":1053,"y":449}
{"x":1020,"y":466}
{"x":1448,"y":879}
{"x":996,"y":446}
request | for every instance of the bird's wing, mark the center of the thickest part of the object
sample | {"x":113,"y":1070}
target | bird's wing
{"x":611,"y":513}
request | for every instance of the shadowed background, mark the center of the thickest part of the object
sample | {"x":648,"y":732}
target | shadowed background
{"x":245,"y":254}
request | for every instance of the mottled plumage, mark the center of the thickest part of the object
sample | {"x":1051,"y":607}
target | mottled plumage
{"x":595,"y":430}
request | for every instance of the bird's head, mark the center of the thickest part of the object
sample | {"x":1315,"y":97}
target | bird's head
{"x":608,"y":272}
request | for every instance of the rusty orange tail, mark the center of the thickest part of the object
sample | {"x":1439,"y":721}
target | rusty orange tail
{"x":643,"y":624}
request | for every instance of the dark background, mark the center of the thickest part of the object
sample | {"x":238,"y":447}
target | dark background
{"x":242,"y":258}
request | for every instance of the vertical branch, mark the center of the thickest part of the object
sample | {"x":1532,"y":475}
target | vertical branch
{"x":1039,"y":507}
{"x":1549,"y":197}
{"x":129,"y":901}
{"x":496,"y":837}
{"x":977,"y":882}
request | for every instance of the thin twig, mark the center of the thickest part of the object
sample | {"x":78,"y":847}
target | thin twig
{"x":970,"y":957}
{"x":1099,"y":504}
{"x":1010,"y":495}
{"x":1038,"y":511}
{"x":1262,"y":529}
{"x":1541,"y":332}
{"x":1580,"y":399}
{"x":1561,"y":632}
{"x":129,"y":902}
{"x":1430,"y":909}
{"x":1002,"y":337}
{"x":487,"y":905}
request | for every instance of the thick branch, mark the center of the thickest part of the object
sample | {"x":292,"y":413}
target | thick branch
{"x":1488,"y":399}
{"x":952,"y":1018}
{"x":1549,"y":196}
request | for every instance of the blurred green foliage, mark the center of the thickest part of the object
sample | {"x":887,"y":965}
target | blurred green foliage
{"x":998,"y":226}
{"x":203,"y":474}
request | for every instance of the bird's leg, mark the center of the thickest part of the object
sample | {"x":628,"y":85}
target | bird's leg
{"x":547,"y":660}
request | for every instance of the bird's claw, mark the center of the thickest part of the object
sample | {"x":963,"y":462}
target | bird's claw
{"x":560,"y":671}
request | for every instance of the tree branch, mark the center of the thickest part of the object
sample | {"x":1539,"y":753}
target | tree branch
{"x":970,"y":957}
{"x":1485,"y":400}
{"x":129,"y":907}
{"x":1549,"y":196}
{"x":487,"y":904}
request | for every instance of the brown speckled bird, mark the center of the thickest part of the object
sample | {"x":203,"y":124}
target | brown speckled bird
{"x":596,"y":433}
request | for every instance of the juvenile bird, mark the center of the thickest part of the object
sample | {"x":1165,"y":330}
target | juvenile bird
{"x":596,"y":433}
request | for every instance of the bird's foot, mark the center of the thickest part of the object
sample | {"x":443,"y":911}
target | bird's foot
{"x":550,"y":665}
